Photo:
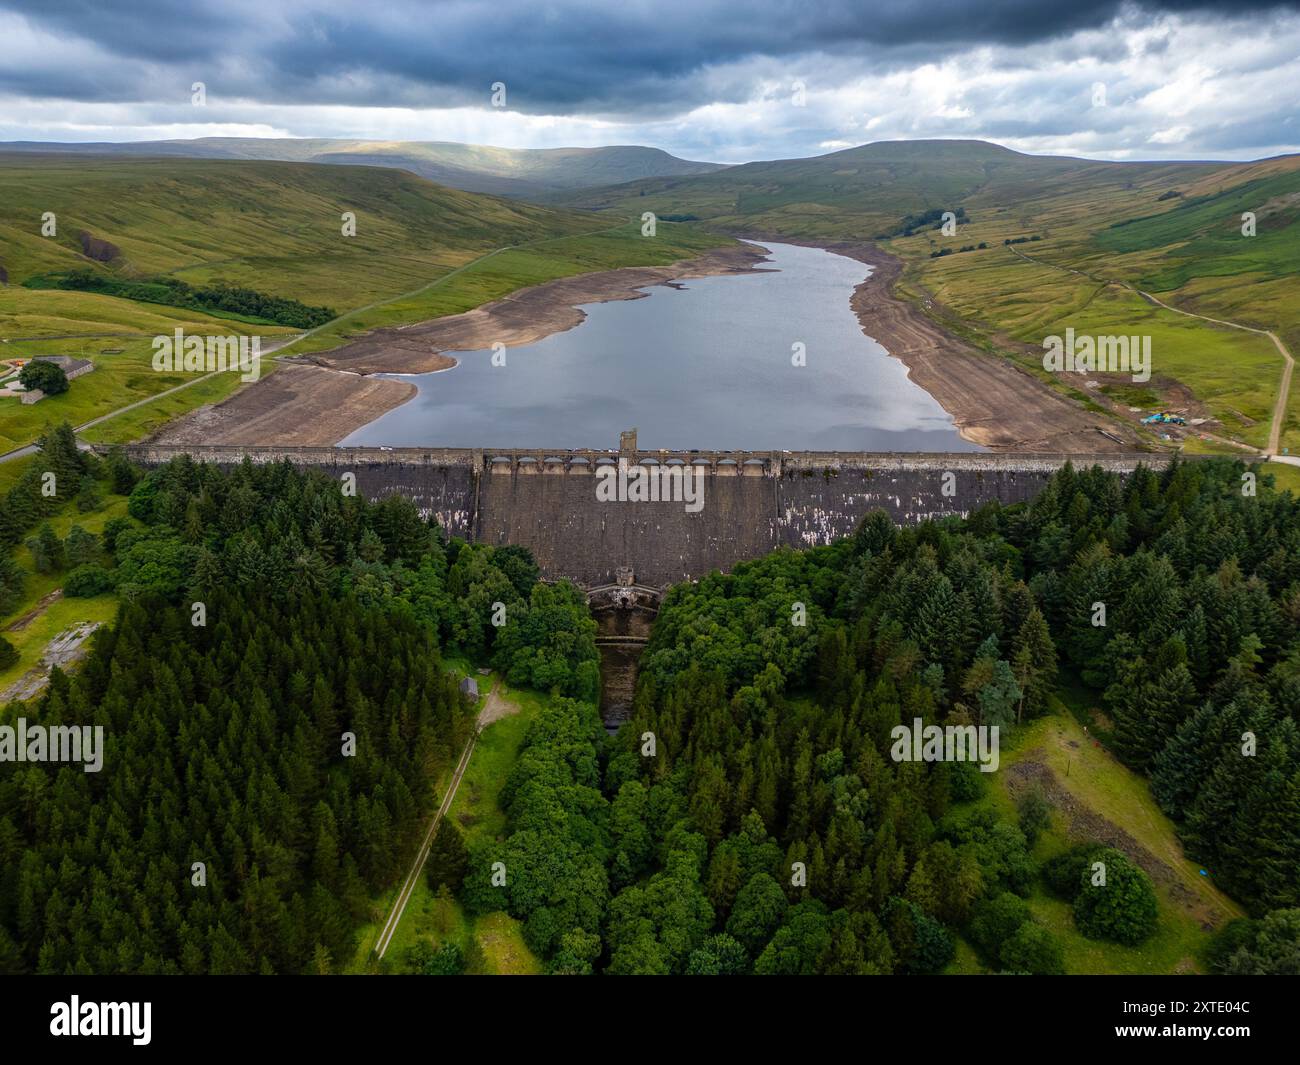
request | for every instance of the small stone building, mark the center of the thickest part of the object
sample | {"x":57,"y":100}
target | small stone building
{"x":469,"y":688}
{"x":71,"y":367}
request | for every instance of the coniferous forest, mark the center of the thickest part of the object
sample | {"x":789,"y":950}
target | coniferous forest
{"x":772,"y":742}
{"x":750,"y":818}
{"x":322,"y":620}
{"x":224,"y":747}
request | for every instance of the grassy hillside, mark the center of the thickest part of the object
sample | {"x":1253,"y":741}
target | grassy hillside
{"x":116,"y":335}
{"x":40,"y":615}
{"x":860,"y":193}
{"x":274,"y":227}
{"x":1188,"y":251}
{"x":524,"y":172}
{"x":1172,"y":229}
{"x":1096,"y":799}
{"x":420,"y":251}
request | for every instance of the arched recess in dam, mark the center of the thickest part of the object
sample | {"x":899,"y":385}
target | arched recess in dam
{"x":624,"y":613}
{"x":626,"y":553}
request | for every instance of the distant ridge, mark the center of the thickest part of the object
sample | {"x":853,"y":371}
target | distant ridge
{"x":517,"y":172}
{"x":866,"y":191}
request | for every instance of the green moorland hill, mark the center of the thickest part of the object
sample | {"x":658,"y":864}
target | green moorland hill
{"x":1083,"y":233}
{"x":274,"y":229}
{"x":863,"y":192}
{"x":524,"y":172}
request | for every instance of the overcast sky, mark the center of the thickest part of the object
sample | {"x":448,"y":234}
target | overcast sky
{"x":704,"y":79}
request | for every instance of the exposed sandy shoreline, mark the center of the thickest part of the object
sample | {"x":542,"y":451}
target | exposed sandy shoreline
{"x":325,"y":397}
{"x":522,"y":317}
{"x":991,"y":401}
{"x":310,"y":401}
{"x":297,"y":405}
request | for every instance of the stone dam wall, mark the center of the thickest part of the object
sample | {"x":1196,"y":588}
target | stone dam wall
{"x":753,"y":502}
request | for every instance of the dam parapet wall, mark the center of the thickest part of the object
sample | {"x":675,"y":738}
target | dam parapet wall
{"x":752,"y":501}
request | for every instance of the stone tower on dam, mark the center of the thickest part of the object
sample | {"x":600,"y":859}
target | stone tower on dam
{"x":752,"y":501}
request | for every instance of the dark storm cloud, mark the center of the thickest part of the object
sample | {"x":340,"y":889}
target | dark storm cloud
{"x":160,"y":30}
{"x":569,"y":56}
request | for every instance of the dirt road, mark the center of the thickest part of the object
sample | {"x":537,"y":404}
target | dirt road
{"x":1288,"y":363}
{"x":496,"y":706}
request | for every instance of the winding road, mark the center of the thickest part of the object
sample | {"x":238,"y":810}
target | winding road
{"x":1288,"y":366}
{"x":1288,"y":363}
{"x":31,"y":449}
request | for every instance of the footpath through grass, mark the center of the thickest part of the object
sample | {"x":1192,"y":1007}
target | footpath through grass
{"x":122,"y":351}
{"x":1234,"y":373}
{"x":477,"y":812}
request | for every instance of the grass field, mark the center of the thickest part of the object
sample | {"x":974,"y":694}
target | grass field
{"x":1233,"y":373}
{"x":1286,"y":478}
{"x":420,"y":251}
{"x":1113,"y":221}
{"x":476,"y":811}
{"x":1101,"y":786}
{"x":122,"y":352}
{"x":31,"y":640}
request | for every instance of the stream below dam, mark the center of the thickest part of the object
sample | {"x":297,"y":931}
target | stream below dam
{"x":621,"y":636}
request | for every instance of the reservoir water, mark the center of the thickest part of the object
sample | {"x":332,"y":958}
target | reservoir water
{"x":710,"y":364}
